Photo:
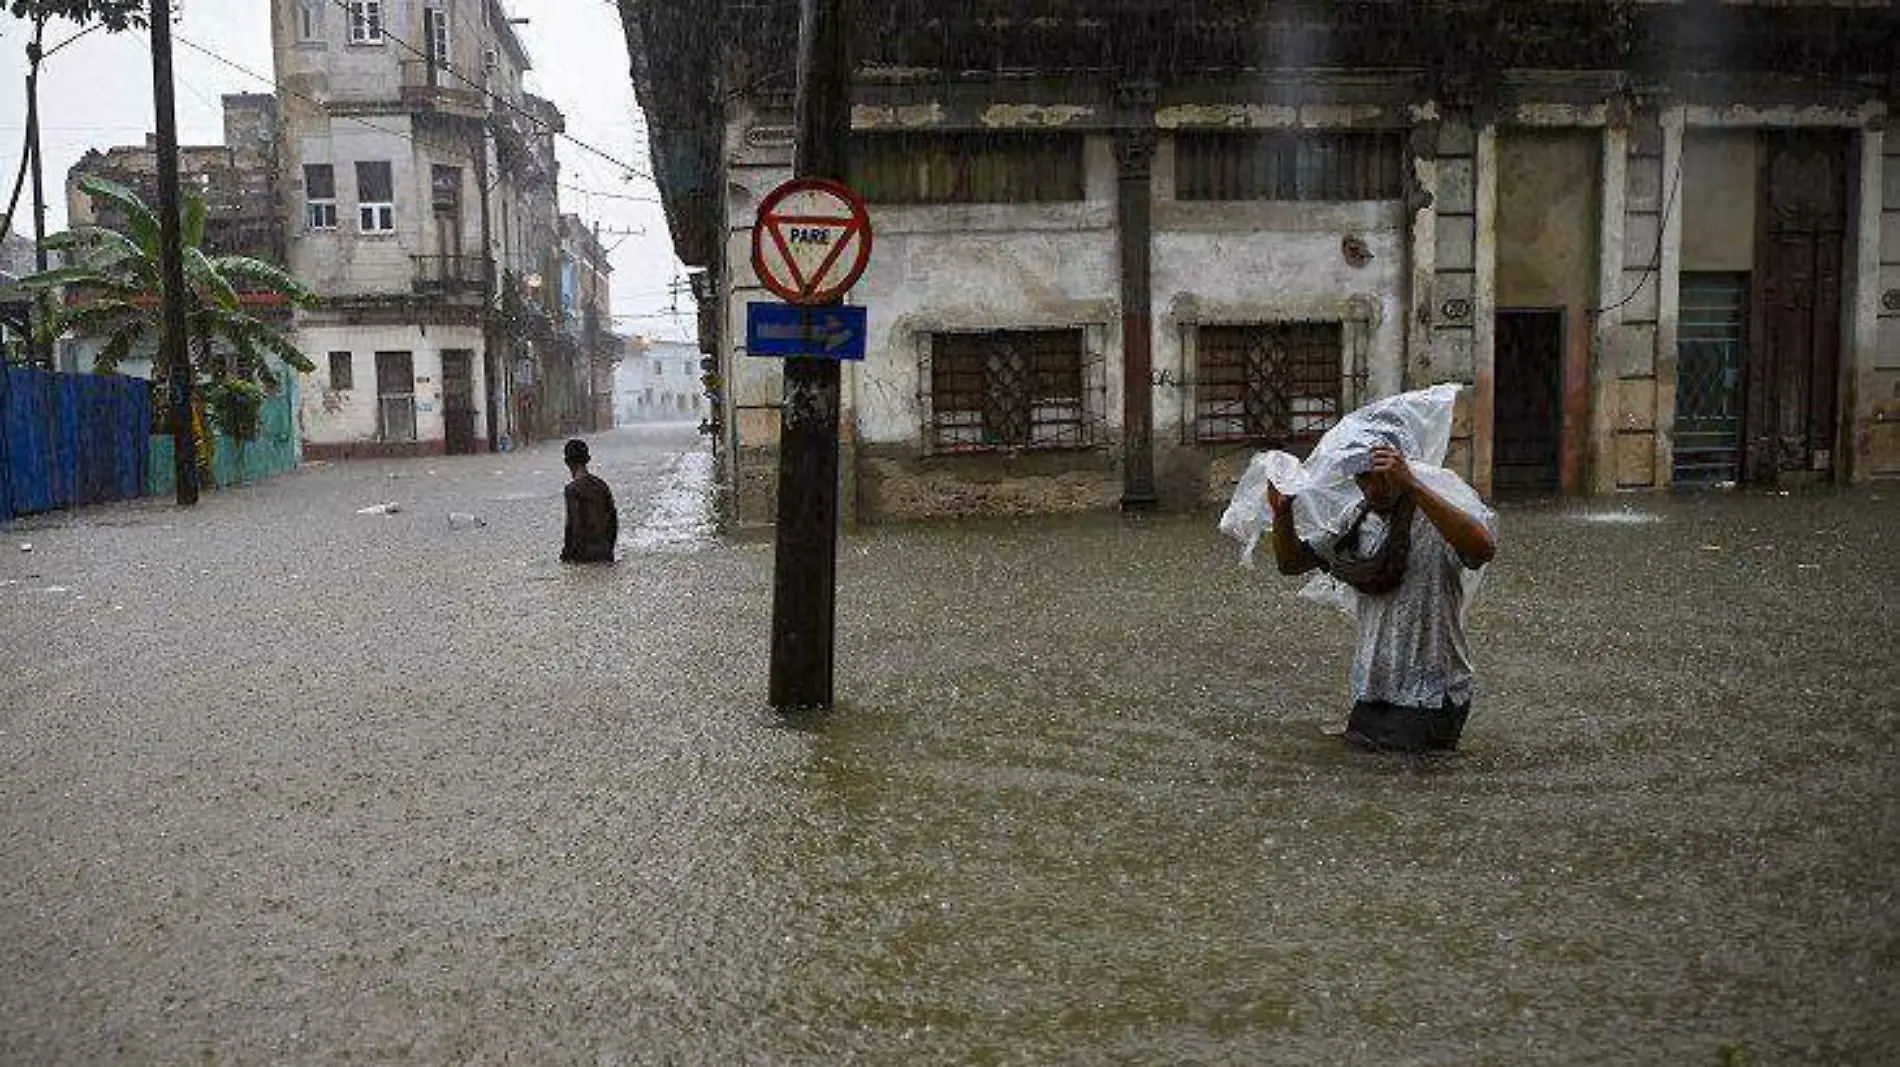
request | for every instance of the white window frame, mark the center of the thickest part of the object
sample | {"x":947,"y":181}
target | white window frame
{"x":366,"y":22}
{"x":317,"y":209}
{"x":310,"y":21}
{"x":439,"y":42}
{"x":376,"y":216}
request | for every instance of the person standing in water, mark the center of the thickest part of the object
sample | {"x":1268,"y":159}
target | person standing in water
{"x":593,"y":526}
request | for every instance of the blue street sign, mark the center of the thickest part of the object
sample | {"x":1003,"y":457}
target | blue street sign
{"x":834,"y":332}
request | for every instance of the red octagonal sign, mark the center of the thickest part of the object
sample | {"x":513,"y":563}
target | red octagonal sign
{"x":812,"y":241}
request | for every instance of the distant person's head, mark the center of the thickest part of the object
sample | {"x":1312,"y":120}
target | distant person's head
{"x":576,"y":455}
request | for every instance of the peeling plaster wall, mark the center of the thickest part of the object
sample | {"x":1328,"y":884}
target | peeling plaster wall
{"x":1549,"y":191}
{"x":1720,"y":187}
{"x":944,"y":268}
{"x":1243,"y":263}
{"x":335,"y":420}
{"x":1876,"y":426}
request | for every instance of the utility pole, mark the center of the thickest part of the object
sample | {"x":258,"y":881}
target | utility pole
{"x":177,"y":361}
{"x":804,"y":585}
{"x":34,"y":56}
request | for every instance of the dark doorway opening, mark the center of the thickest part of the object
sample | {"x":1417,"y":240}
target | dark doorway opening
{"x":1527,"y":437}
{"x":458,"y":402}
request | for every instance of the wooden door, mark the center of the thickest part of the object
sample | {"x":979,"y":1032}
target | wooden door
{"x":1794,"y":360}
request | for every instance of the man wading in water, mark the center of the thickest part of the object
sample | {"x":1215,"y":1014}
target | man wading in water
{"x":1404,"y":554}
{"x":592,"y":524}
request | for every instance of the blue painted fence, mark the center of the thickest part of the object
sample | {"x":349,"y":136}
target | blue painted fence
{"x":71,"y":439}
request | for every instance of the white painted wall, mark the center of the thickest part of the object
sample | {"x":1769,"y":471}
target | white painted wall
{"x":330,"y":416}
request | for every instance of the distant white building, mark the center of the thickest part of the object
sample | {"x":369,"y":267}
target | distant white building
{"x":659,"y":381}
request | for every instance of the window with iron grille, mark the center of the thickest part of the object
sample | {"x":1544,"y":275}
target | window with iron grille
{"x":1277,"y":383}
{"x":1356,"y":165}
{"x":1010,"y":390}
{"x":967,"y":168}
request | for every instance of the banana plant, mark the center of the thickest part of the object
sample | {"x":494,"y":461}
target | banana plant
{"x":115,"y":291}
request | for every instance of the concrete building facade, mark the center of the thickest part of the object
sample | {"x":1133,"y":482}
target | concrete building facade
{"x":1117,"y":252}
{"x":419,"y":171}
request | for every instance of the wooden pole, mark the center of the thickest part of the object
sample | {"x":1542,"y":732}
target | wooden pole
{"x":804,"y":584}
{"x":177,"y":359}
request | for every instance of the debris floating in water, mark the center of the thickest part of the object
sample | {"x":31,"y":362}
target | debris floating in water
{"x":1624,"y":517}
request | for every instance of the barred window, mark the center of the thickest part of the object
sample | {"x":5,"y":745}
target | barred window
{"x":1277,"y":383}
{"x":1010,"y":389}
{"x":967,"y":168}
{"x":1338,"y":165}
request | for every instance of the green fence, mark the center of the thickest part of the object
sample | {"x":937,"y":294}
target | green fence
{"x":274,"y":452}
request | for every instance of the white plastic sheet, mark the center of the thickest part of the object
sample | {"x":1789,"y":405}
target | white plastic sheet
{"x":1325,"y":495}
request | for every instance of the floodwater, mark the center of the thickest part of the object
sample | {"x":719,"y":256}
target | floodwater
{"x":296,"y":785}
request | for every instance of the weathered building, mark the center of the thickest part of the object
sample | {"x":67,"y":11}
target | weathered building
{"x":417,"y":164}
{"x":586,"y":316}
{"x":238,"y":180}
{"x":1121,"y":246}
{"x":240,"y":183}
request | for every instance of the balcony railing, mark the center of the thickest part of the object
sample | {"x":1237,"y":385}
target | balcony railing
{"x":449,"y":274}
{"x":427,"y":84}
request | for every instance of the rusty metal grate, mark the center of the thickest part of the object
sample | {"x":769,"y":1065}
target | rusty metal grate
{"x":1277,"y":383}
{"x":1012,"y":390}
{"x":1322,"y":166}
{"x":967,"y":168}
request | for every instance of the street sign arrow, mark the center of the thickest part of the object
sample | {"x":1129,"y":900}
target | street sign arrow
{"x":836,"y":332}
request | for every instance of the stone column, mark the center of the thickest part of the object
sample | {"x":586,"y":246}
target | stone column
{"x":1669,"y":293}
{"x":1860,"y":328}
{"x":1590,"y":455}
{"x":1485,"y":313}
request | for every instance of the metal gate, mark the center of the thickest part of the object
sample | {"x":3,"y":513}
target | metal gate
{"x":395,"y":396}
{"x":1711,"y":354}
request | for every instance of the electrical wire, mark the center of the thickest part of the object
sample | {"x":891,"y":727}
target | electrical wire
{"x":494,"y":97}
{"x":1655,"y":263}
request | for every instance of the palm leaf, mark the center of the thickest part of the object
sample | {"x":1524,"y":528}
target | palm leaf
{"x":59,"y":277}
{"x":278,"y":345}
{"x":96,"y":317}
{"x":139,"y":218}
{"x":268,"y":275}
{"x":191,"y":221}
{"x":119,"y":346}
{"x":202,"y":274}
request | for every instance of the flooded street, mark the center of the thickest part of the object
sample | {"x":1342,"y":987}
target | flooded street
{"x":285,"y":783}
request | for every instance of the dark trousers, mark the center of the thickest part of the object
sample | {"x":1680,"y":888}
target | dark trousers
{"x":1383,"y":727}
